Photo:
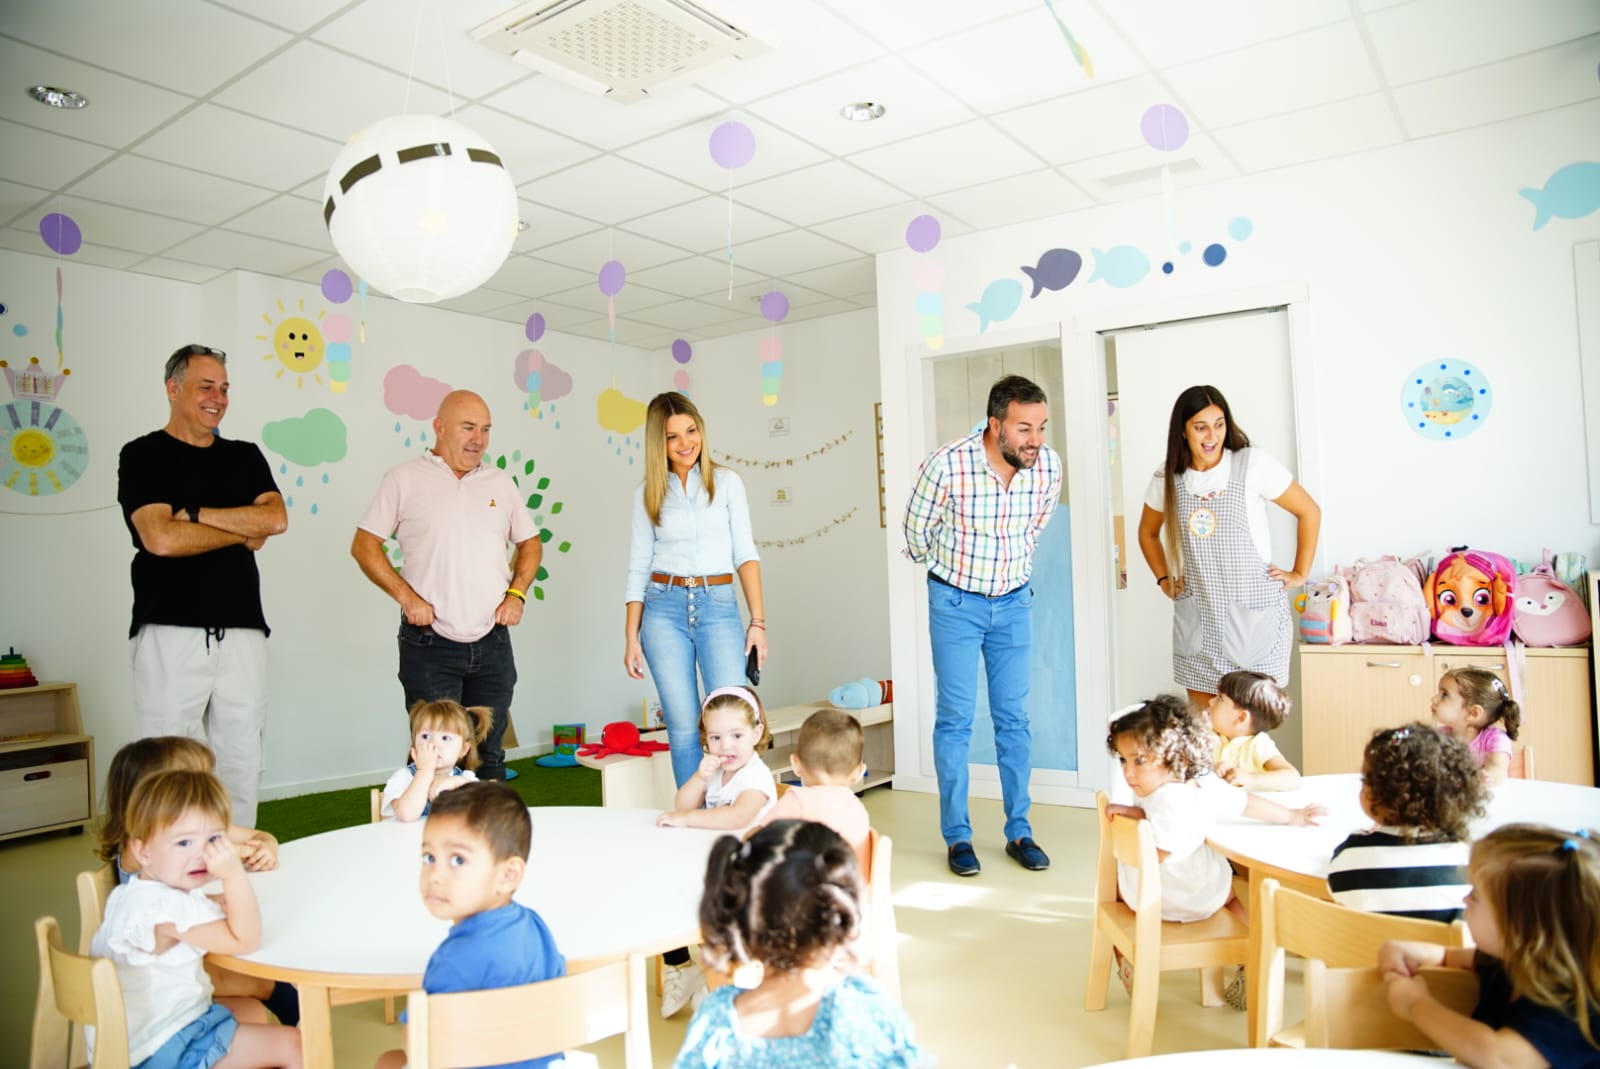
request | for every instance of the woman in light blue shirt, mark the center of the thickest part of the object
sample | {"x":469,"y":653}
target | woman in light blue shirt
{"x":691,"y":533}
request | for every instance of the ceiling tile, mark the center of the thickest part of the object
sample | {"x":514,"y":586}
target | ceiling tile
{"x":546,"y":226}
{"x":865,"y":300}
{"x":747,"y":298}
{"x":1013,"y":200}
{"x":695,"y":275}
{"x":702,"y":225}
{"x":589,"y":252}
{"x":1024,"y":58}
{"x":1315,"y":133}
{"x":902,"y":23}
{"x":313,"y":272}
{"x":218,"y":141}
{"x":1379,"y":5}
{"x":686,"y":153}
{"x":478,"y":301}
{"x":186,"y":45}
{"x":949,"y":159}
{"x":809,"y":41}
{"x":1168,"y":32}
{"x":684,"y":315}
{"x":178,"y":269}
{"x":604,"y":122}
{"x":884,"y":229}
{"x":840,"y":280}
{"x":1316,"y":67}
{"x":220,"y":248}
{"x":627,"y":332}
{"x":16,"y":199}
{"x":326,"y":92}
{"x":311,"y":190}
{"x":527,"y":150}
{"x":27,"y":240}
{"x":535,"y":278}
{"x":1137,"y":172}
{"x":609,"y":189}
{"x":914,"y":105}
{"x":168,"y":190}
{"x":1434,"y":37}
{"x":120,"y":110}
{"x":793,"y":250}
{"x":1545,"y":79}
{"x":287,"y":218}
{"x":832,"y":307}
{"x":123,"y":228}
{"x":1092,"y":122}
{"x":295,"y":15}
{"x":556,"y":316}
{"x":36,"y":158}
{"x":825,"y":191}
{"x":630,"y":299}
{"x":432,"y":42}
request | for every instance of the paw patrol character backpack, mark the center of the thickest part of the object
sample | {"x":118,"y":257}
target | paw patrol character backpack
{"x":1470,"y":596}
{"x":1324,"y":611}
{"x":1546,"y":611}
{"x":1386,"y":603}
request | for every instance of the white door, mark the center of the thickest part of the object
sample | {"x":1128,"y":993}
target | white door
{"x":1244,"y":356}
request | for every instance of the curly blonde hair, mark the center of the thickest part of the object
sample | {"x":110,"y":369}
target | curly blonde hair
{"x":1170,"y":729}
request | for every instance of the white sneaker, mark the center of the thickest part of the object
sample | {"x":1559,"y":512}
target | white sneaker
{"x":679,"y":986}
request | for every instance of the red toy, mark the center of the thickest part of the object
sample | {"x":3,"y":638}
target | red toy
{"x":621,"y":736}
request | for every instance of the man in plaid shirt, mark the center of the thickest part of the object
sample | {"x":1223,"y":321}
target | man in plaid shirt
{"x":974,"y":519}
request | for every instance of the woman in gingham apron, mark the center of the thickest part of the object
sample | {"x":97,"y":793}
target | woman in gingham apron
{"x":1204,"y":534}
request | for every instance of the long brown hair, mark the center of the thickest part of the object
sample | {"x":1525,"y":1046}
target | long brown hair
{"x":132,"y":765}
{"x":1190,"y":403}
{"x":664,"y":406}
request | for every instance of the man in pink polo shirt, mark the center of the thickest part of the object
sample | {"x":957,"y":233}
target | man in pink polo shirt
{"x":453,"y":516}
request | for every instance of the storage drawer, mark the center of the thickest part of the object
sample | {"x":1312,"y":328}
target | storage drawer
{"x":40,"y":795}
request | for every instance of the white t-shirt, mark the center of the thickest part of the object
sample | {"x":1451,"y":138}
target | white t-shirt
{"x":162,"y":993}
{"x":754,"y":776}
{"x":1266,"y":480}
{"x":402,"y":779}
{"x":1195,"y":880}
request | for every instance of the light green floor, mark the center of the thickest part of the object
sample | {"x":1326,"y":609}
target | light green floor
{"x":993,"y":967}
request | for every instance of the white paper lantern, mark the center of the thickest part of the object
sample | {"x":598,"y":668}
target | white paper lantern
{"x":420,"y":207}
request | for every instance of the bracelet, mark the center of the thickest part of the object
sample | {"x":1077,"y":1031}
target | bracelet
{"x":519,"y":595}
{"x":754,"y":624}
{"x":1163,"y":579}
{"x":758,"y":619}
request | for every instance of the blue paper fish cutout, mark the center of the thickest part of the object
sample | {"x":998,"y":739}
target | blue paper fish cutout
{"x":1121,"y":266}
{"x":1000,"y":301}
{"x":1055,"y":271}
{"x":1571,"y":193}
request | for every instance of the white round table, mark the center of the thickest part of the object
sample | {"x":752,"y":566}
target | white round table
{"x":1279,"y":1058}
{"x":342,"y":919}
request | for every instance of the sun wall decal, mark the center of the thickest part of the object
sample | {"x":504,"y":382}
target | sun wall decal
{"x":296,"y":342}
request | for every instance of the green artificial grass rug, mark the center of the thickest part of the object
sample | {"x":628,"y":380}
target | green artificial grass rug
{"x":309,"y":814}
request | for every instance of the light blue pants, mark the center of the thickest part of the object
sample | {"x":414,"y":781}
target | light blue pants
{"x":961,"y":625}
{"x":684,"y":627}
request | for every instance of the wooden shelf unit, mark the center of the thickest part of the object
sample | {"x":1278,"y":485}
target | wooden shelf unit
{"x":47,"y":783}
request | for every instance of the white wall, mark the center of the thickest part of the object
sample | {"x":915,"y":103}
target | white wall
{"x":335,"y":705}
{"x":1415,"y":252}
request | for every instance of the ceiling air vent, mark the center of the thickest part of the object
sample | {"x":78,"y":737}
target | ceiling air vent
{"x":1149,"y":174}
{"x":617,"y":48}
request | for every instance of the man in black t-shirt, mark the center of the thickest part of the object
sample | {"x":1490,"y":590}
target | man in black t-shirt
{"x":198,"y":507}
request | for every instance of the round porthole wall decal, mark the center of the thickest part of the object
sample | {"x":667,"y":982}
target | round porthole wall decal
{"x":1446,"y":399}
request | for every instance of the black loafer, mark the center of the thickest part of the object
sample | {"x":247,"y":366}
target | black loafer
{"x":964,"y":860}
{"x":1027,"y":853}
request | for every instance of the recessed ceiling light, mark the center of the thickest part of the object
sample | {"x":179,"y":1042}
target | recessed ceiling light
{"x":58,"y":98}
{"x":861,"y":111}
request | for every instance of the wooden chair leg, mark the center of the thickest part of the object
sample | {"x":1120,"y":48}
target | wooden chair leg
{"x":1094,"y":996}
{"x":1211,"y":984}
{"x":1142,"y":1015}
{"x":388,"y":1010}
{"x":661,"y":975}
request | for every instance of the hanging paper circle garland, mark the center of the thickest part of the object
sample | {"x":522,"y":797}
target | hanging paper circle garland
{"x":1164,"y":127}
{"x":733,"y":144}
{"x":61,"y":233}
{"x":682,"y":352}
{"x":774,"y":309}
{"x":612,"y":276}
{"x":922,"y":235}
{"x":336,"y":286}
{"x":1446,"y":399}
{"x":534,"y":328}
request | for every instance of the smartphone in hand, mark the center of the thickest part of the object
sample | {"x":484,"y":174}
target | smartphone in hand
{"x":752,"y":668}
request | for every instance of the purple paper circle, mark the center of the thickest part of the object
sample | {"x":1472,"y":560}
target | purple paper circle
{"x":535,"y":327}
{"x":336,"y":286}
{"x":732,"y":145}
{"x":681,"y":352}
{"x":61,"y":234}
{"x":774,"y":306}
{"x":1164,"y":127}
{"x":612,"y":275}
{"x":923,"y":233}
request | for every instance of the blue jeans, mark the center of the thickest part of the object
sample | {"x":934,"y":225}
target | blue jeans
{"x":433,"y":668}
{"x":960,"y":626}
{"x":684,"y":626}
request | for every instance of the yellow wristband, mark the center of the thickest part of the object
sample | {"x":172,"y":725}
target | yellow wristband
{"x":514,"y":592}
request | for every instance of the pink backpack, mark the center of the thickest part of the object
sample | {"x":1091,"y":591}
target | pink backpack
{"x":1470,"y":595}
{"x":1546,"y":611}
{"x":1386,"y":603}
{"x":1324,"y":611}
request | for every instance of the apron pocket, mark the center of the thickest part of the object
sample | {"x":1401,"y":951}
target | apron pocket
{"x":1249,"y":635}
{"x":1188,"y":631}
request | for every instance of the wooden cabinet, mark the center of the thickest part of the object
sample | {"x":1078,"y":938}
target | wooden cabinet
{"x":46,"y":762}
{"x":1347,"y":692}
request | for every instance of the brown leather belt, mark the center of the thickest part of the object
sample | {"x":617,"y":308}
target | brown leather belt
{"x":691,"y":580}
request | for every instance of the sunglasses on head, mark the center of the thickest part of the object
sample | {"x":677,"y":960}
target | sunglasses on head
{"x":199,"y":350}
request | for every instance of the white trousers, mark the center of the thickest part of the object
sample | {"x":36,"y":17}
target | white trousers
{"x":186,"y":682}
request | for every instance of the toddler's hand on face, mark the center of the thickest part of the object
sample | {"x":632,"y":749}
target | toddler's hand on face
{"x":222,"y":858}
{"x":709,"y":764}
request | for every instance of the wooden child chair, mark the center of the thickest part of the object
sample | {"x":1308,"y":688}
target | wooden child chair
{"x":1521,"y":766}
{"x":75,"y":989}
{"x":1342,"y":984}
{"x":885,"y":945}
{"x":533,"y":1020}
{"x":1152,"y":945}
